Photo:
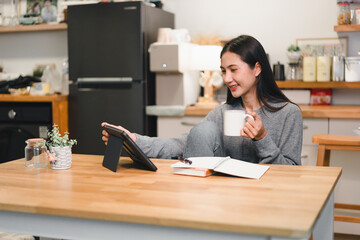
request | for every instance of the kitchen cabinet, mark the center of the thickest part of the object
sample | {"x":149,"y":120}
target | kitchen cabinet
{"x":170,"y":127}
{"x":59,"y":106}
{"x":347,"y":190}
{"x":312,"y":126}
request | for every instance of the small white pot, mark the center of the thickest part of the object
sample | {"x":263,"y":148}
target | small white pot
{"x":294,"y":57}
{"x":64,"y":157}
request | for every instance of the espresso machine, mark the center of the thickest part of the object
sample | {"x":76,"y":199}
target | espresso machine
{"x":176,"y":81}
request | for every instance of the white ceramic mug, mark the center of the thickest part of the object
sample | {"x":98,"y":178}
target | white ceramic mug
{"x":164,"y":35}
{"x":234,"y":121}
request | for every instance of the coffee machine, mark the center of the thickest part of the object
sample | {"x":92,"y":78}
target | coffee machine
{"x":176,"y":81}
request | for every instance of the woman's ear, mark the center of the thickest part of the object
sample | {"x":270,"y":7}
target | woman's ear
{"x":257,"y":69}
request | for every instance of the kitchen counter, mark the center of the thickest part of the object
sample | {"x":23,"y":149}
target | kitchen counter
{"x":340,"y":112}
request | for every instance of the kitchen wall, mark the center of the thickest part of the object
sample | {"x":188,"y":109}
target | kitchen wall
{"x":19,"y":52}
{"x":276,"y":24}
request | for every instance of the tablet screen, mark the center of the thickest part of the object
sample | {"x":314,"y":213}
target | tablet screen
{"x":135,"y":153}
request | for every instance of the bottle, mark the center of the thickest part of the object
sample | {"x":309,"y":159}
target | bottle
{"x":65,"y":77}
{"x":53,"y":78}
{"x":10,"y":12}
{"x":35,"y":153}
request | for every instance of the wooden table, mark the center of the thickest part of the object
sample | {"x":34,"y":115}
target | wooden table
{"x":91,"y":202}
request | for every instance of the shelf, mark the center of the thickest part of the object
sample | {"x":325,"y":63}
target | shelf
{"x":33,"y":28}
{"x":331,"y":111}
{"x":347,"y":28}
{"x":302,"y":84}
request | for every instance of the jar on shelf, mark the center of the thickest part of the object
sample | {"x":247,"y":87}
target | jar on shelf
{"x":343,"y":13}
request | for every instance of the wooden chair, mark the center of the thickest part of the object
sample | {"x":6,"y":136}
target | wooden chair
{"x":329,"y":142}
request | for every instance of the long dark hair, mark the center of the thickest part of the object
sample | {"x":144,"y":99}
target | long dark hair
{"x":251,"y":52}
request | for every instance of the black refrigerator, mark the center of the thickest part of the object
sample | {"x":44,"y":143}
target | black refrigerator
{"x":109,"y":67}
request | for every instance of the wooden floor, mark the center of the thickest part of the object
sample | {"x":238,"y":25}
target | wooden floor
{"x":340,"y":236}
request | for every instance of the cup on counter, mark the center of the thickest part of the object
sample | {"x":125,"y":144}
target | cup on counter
{"x":164,"y":35}
{"x":234,"y":121}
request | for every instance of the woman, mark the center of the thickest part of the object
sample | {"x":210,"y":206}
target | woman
{"x":273,"y":136}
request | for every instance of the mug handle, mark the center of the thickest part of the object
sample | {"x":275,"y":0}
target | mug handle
{"x":248,"y":116}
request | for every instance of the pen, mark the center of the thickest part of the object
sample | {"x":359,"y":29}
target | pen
{"x":186,"y":161}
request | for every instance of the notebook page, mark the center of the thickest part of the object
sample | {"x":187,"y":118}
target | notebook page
{"x":242,"y":169}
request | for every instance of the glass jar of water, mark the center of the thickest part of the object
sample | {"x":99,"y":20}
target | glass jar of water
{"x":35,"y":153}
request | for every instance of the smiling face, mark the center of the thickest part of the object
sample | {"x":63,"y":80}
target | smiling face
{"x":238,"y":76}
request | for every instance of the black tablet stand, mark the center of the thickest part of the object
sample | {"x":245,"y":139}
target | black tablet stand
{"x":112,"y":153}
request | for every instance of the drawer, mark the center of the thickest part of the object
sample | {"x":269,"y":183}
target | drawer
{"x":13,"y":112}
{"x":350,"y":127}
{"x":309,"y":155}
{"x":169,"y":127}
{"x":313,"y":126}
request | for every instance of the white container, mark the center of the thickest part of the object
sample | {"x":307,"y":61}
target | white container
{"x":323,"y":69}
{"x":338,"y":68}
{"x":352,"y":69}
{"x":357,"y":15}
{"x":309,"y":69}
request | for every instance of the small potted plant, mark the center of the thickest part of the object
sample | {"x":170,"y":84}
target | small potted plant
{"x":59,"y":149}
{"x":293,"y":53}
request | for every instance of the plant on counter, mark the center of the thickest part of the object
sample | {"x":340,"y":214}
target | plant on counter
{"x":59,"y":148}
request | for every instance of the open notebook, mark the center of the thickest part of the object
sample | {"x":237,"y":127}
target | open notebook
{"x":205,"y":166}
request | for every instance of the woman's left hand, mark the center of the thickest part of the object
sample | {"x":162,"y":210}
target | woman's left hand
{"x":253,"y":128}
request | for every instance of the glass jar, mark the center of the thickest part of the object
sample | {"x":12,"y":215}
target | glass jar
{"x":10,"y":12}
{"x":343,"y":13}
{"x":35,"y":153}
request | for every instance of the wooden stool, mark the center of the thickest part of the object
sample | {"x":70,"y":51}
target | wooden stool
{"x":329,"y":142}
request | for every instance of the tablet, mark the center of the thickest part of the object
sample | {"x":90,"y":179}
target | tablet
{"x":135,"y":153}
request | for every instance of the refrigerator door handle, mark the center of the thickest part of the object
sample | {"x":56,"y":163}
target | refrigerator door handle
{"x":106,"y":79}
{"x":104,"y":82}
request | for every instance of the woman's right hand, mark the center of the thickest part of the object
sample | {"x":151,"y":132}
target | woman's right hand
{"x":105,"y":134}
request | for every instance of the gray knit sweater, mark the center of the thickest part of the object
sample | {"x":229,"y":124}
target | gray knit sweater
{"x":281,"y":145}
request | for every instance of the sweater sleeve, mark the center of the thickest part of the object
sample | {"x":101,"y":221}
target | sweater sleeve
{"x":155,"y":147}
{"x":288,"y":151}
{"x":169,"y":148}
